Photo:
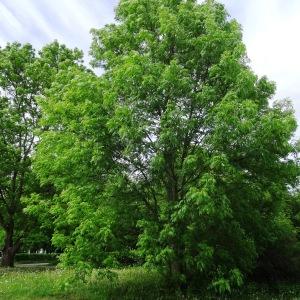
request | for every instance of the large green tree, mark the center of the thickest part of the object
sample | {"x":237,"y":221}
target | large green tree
{"x":23,"y":76}
{"x":94,"y":210}
{"x":208,"y":154}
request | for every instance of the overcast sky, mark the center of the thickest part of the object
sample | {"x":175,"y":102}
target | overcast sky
{"x":271,"y":31}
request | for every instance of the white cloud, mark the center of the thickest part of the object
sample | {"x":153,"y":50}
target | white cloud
{"x":42,"y":21}
{"x":8,"y":21}
{"x":271,"y":34}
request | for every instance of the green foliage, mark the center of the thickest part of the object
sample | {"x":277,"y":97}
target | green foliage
{"x":36,"y":257}
{"x":2,"y":235}
{"x":23,"y":76}
{"x":93,"y":210}
{"x":210,"y":157}
{"x":281,"y":258}
{"x":173,"y":157}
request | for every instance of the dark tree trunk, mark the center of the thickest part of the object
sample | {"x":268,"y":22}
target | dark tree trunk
{"x":175,"y":269}
{"x":10,"y":249}
{"x":8,"y":257}
{"x":171,"y":185}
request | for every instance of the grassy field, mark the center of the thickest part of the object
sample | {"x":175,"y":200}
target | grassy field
{"x":131,"y":283}
{"x":41,"y":283}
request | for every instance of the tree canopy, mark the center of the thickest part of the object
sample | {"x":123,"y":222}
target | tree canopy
{"x":210,"y":155}
{"x":23,"y":76}
{"x":173,"y":157}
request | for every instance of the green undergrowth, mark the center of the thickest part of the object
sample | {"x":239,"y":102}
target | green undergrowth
{"x":130,"y":283}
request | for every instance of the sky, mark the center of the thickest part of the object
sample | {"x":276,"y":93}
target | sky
{"x":270,"y":27}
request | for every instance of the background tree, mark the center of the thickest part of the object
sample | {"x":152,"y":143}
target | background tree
{"x":23,"y":76}
{"x":202,"y":146}
{"x":94,"y":210}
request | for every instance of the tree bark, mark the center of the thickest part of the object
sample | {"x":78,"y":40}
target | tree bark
{"x":171,"y":185}
{"x":9,"y":250}
{"x":8,"y":257}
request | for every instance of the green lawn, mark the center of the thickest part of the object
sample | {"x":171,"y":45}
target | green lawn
{"x":131,"y":283}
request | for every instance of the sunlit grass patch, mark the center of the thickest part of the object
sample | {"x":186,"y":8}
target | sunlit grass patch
{"x":59,"y":284}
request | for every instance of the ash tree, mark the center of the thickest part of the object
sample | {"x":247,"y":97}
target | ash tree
{"x":209,"y":156}
{"x":77,"y":155}
{"x":23,"y":76}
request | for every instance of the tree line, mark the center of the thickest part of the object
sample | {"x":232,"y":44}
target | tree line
{"x":173,"y":157}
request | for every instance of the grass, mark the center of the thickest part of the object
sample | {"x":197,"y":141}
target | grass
{"x":131,"y":283}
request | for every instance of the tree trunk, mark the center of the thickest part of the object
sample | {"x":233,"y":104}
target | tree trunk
{"x":175,"y":269}
{"x":10,"y":249}
{"x":8,"y":257}
{"x":171,"y":185}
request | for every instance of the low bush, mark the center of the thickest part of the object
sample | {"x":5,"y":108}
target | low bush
{"x":37,"y":257}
